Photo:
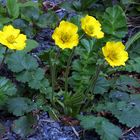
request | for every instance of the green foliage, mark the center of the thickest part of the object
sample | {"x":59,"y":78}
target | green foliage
{"x":101,"y":86}
{"x":7,"y":89}
{"x":84,"y":67}
{"x":20,"y":61}
{"x":23,"y":125}
{"x":102,"y":126}
{"x":37,"y":80}
{"x":134,"y":65}
{"x":111,"y":26}
{"x":31,"y":44}
{"x":133,"y":46}
{"x":72,"y":103}
{"x":123,"y":110}
{"x":50,"y":17}
{"x":123,"y":82}
{"x":30,"y":13}
{"x":13,"y":8}
{"x":132,"y":40}
{"x":20,"y":105}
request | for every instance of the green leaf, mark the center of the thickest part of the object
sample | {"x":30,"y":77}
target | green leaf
{"x":102,"y":126}
{"x":2,"y":51}
{"x":86,"y":4}
{"x":5,"y":20}
{"x":20,"y":105}
{"x":7,"y":87}
{"x":67,"y":5}
{"x":45,"y":87}
{"x":30,"y":13}
{"x":32,"y":77}
{"x":13,"y":8}
{"x":20,"y":23}
{"x":108,"y":131}
{"x":29,"y":3}
{"x":20,"y":61}
{"x":31,"y":44}
{"x":133,"y":65}
{"x":127,"y":80}
{"x":124,"y":110}
{"x":101,"y":86}
{"x":134,"y":59}
{"x":49,"y":19}
{"x":117,"y":95}
{"x":132,"y":40}
{"x":23,"y":125}
{"x":114,"y":22}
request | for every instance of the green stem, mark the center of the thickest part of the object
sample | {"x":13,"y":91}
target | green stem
{"x":3,"y":59}
{"x":52,"y":65}
{"x":68,"y":70}
{"x":93,"y":80}
{"x":92,"y":85}
{"x":68,"y":66}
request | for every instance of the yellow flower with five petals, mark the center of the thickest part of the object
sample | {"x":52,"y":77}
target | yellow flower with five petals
{"x":65,"y":35}
{"x":92,"y":27}
{"x":12,"y":38}
{"x":115,"y":54}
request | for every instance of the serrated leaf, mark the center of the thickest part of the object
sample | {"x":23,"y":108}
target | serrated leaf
{"x":20,"y":61}
{"x":7,"y":87}
{"x":23,"y":125}
{"x":124,"y":110}
{"x":30,"y":13}
{"x":133,"y":65}
{"x":49,"y":19}
{"x":117,"y":95}
{"x":111,"y":26}
{"x":45,"y":87}
{"x":101,"y":86}
{"x":32,"y":77}
{"x":102,"y":126}
{"x":107,"y":130}
{"x":124,"y":81}
{"x":31,"y":44}
{"x":19,"y":105}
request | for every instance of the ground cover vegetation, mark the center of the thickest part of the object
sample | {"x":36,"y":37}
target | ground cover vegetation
{"x":89,"y":73}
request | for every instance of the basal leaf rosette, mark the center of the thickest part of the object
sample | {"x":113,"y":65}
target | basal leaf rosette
{"x":65,"y":35}
{"x":115,"y":54}
{"x":12,"y":38}
{"x":92,"y":27}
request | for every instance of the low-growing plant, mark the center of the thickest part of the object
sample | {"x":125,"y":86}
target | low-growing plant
{"x":77,"y":75}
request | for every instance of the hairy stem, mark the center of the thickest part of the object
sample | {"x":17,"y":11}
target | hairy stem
{"x":68,"y":69}
{"x":93,"y":80}
{"x":53,"y":68}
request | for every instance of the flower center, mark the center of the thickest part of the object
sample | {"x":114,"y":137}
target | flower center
{"x":11,"y":39}
{"x":113,"y":56}
{"x":65,"y":37}
{"x":90,"y":29}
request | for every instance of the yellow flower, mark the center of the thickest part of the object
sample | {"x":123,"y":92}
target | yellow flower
{"x":92,"y":27}
{"x":12,"y":38}
{"x":65,"y":35}
{"x":115,"y":54}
